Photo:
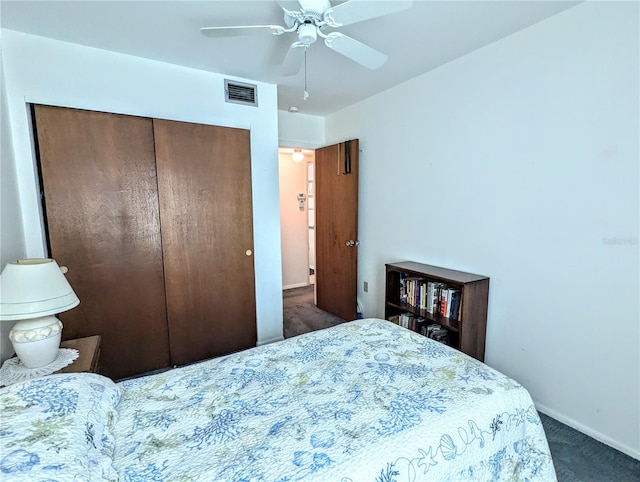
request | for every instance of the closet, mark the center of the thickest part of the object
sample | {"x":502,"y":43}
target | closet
{"x":154,"y":220}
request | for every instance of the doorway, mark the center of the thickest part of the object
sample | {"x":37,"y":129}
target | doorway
{"x":297,"y":216}
{"x":319,"y":213}
{"x":297,"y":229}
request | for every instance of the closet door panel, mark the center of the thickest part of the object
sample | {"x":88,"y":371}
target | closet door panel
{"x":204,"y":187}
{"x":100,"y":188}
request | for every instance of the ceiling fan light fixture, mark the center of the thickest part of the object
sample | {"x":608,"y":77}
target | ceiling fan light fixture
{"x":307,"y":33}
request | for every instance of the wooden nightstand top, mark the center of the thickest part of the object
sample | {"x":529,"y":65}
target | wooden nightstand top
{"x":89,"y":353}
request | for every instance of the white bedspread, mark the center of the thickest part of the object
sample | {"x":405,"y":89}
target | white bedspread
{"x":363,"y":401}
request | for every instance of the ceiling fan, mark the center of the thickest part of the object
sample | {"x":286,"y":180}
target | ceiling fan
{"x":310,"y":19}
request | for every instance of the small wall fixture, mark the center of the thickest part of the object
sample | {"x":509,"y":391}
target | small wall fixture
{"x":297,"y":155}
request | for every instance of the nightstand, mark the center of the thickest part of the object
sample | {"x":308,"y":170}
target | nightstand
{"x":89,"y":354}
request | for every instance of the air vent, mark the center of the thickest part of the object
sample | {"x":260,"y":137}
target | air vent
{"x":239,"y":93}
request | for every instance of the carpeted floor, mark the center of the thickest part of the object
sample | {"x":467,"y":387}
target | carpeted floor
{"x":576,"y":456}
{"x":580,"y":458}
{"x":301,"y":315}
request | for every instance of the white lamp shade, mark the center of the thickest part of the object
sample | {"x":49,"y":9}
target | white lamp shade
{"x":32,"y":288}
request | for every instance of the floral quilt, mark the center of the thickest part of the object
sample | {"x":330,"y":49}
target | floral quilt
{"x":58,"y":428}
{"x":363,"y":401}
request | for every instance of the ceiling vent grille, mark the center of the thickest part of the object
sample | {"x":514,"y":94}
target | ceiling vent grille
{"x":240,"y":93}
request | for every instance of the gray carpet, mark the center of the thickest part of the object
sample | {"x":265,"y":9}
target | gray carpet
{"x":580,"y":458}
{"x":576,"y":456}
{"x":301,"y":315}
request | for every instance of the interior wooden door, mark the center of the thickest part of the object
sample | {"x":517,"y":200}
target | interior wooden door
{"x":101,"y":202}
{"x":204,"y":185}
{"x":337,"y":228}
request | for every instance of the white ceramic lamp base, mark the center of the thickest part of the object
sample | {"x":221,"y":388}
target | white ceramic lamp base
{"x":36,"y":341}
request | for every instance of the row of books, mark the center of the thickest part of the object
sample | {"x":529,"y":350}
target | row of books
{"x":431,"y":296}
{"x":421,"y":325}
{"x":408,"y":320}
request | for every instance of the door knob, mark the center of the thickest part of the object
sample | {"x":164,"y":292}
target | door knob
{"x":352,"y":243}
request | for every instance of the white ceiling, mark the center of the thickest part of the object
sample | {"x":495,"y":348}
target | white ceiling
{"x":429,"y":34}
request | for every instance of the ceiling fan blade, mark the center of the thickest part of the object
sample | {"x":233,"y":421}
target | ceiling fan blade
{"x":294,"y":59}
{"x":356,"y":51}
{"x":289,"y":5}
{"x":354,"y":11}
{"x":237,"y":30}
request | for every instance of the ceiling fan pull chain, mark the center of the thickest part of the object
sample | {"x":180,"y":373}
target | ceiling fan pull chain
{"x":306,"y":94}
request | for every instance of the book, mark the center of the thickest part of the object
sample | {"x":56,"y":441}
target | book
{"x":443,"y":301}
{"x":455,"y":305}
{"x":435,"y":306}
{"x":403,"y":289}
{"x":406,"y":320}
{"x":431,"y":289}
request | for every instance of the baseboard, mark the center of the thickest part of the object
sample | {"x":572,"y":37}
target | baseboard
{"x":270,"y":340}
{"x":297,"y":285}
{"x":588,"y":431}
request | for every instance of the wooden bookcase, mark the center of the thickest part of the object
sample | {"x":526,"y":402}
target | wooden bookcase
{"x":467,"y":333}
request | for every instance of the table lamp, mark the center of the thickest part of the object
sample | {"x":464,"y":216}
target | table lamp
{"x":33,"y":291}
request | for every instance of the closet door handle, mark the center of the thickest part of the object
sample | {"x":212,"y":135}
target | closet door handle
{"x":352,"y":243}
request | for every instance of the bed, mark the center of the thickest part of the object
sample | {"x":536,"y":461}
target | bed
{"x":363,"y":401}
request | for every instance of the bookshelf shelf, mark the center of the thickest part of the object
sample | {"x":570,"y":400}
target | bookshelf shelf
{"x":466,"y":328}
{"x":448,"y":323}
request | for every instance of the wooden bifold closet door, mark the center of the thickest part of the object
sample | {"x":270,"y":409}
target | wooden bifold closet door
{"x":204,"y":185}
{"x":153,"y":219}
{"x":101,"y":200}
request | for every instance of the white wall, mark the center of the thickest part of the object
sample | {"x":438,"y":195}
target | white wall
{"x":12,"y":245}
{"x":293,"y":222}
{"x":300,"y":130}
{"x":519,"y":161}
{"x":39,"y":70}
